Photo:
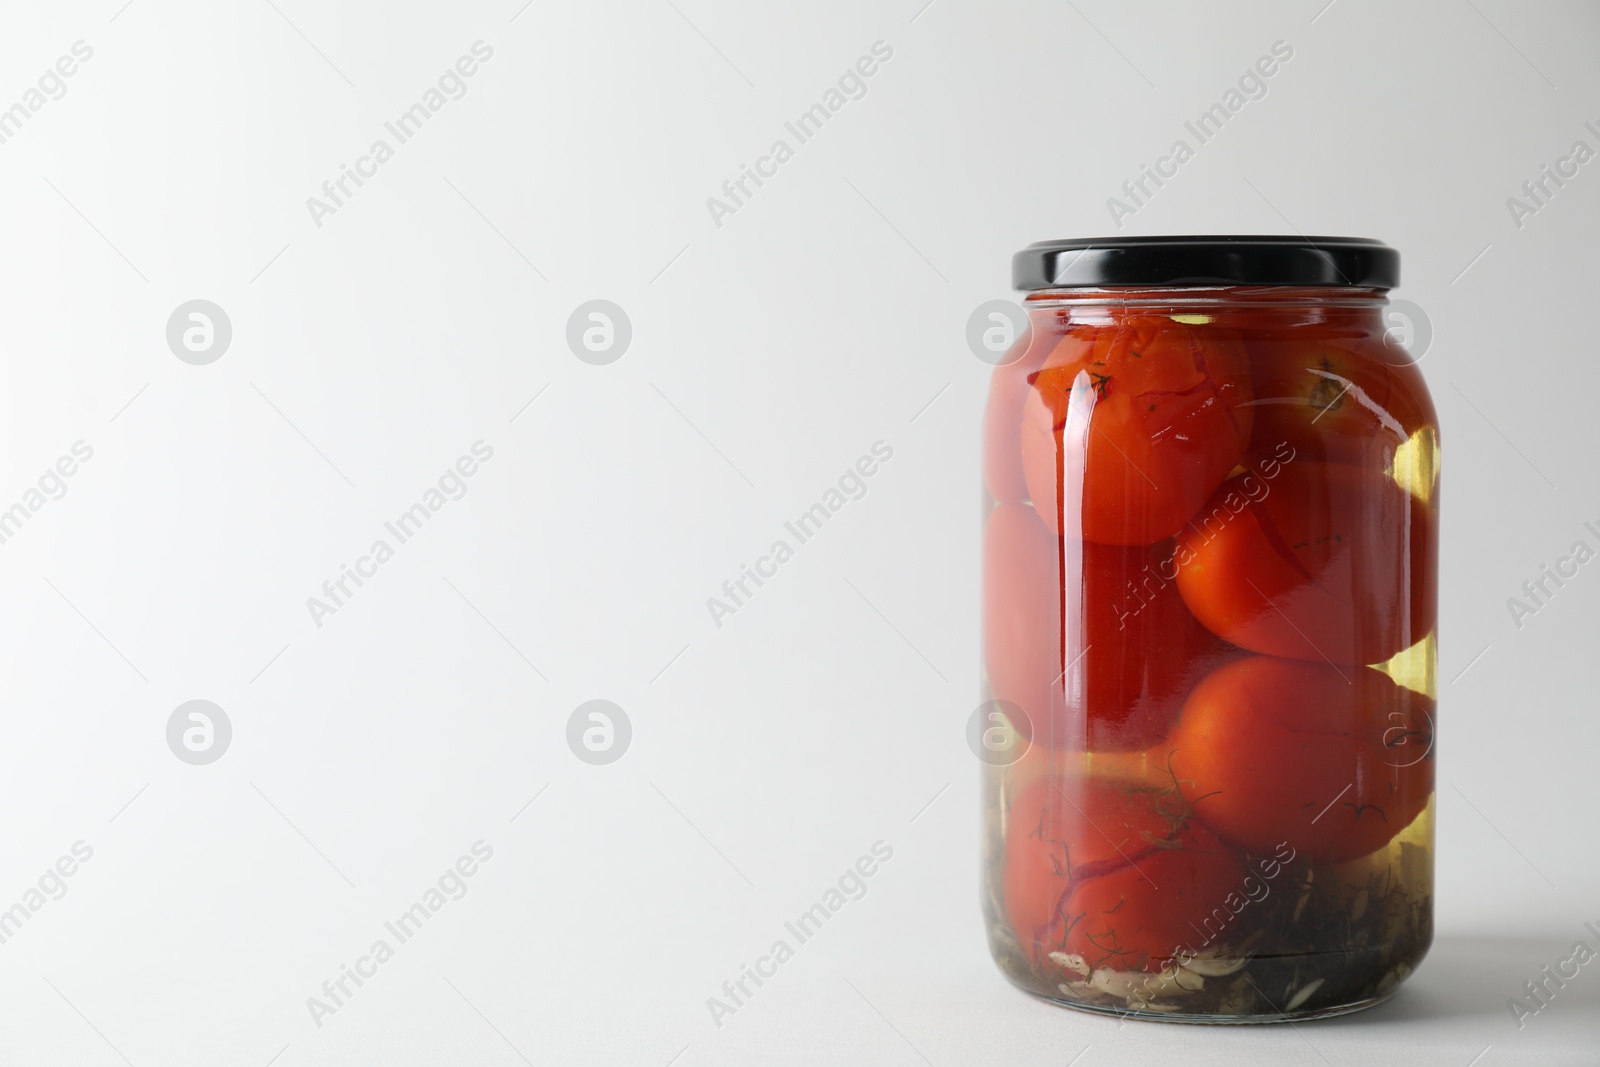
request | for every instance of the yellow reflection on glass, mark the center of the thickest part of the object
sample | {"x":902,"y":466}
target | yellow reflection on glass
{"x":1416,"y":464}
{"x":1414,"y":667}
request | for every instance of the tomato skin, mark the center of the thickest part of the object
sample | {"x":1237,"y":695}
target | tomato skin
{"x":1144,"y":418}
{"x":1132,"y":652}
{"x":1133,"y":649}
{"x":1325,"y":562}
{"x":1285,"y":750}
{"x":1002,"y":415}
{"x":1345,"y":400}
{"x":1119,"y":873}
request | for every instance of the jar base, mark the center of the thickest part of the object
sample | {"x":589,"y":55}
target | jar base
{"x":1204,"y":1019}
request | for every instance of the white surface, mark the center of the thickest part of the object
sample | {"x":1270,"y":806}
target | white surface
{"x":827,"y":314}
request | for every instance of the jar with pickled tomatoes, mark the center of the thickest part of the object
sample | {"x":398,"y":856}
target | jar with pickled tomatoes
{"x":1211,"y":499}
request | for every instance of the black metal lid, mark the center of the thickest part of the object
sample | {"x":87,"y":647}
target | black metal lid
{"x":1246,"y":259}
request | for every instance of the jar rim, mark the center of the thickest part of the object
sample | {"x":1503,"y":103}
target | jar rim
{"x":1207,"y":261}
{"x":1266,"y":298}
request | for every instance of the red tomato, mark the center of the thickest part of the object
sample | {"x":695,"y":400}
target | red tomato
{"x":1334,"y":401}
{"x":1002,"y":416}
{"x":1129,"y":428}
{"x":1284,"y":750}
{"x":1132,"y":652}
{"x":1119,"y":873}
{"x":1133,"y":649}
{"x":1324,"y":562}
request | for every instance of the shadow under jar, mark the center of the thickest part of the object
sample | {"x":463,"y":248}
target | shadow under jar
{"x":1211,"y":490}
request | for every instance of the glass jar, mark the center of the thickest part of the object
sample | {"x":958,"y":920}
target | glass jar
{"x":1211,"y":486}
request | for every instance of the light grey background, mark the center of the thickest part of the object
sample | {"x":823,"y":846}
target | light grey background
{"x":767,"y":355}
